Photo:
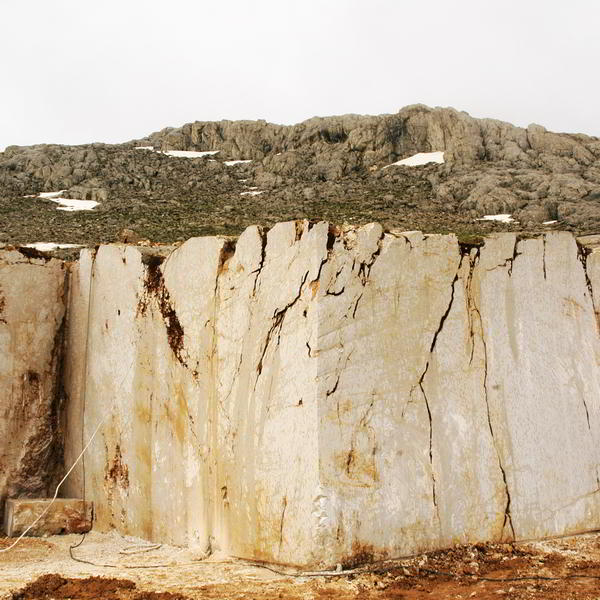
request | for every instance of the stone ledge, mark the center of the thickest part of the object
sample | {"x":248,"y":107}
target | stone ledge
{"x":66,"y":515}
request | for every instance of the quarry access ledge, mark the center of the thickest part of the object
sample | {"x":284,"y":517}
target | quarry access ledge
{"x":309,"y":395}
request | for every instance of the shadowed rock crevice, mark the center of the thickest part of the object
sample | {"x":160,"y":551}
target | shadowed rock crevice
{"x":263,"y":247}
{"x":442,"y":320}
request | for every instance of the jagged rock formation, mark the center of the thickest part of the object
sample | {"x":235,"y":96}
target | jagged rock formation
{"x":316,"y":395}
{"x":323,"y":168}
{"x":32,"y":309}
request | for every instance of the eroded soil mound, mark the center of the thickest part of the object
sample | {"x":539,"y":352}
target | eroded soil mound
{"x":55,"y":587}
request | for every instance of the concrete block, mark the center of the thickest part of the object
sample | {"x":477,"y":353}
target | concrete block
{"x":66,"y":515}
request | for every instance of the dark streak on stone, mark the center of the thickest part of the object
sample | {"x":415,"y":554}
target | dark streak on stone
{"x":361,"y":554}
{"x":328,"y":293}
{"x":544,"y":256}
{"x":582,"y":255}
{"x":364,"y":270}
{"x":334,"y":388}
{"x":433,"y":481}
{"x":466,"y":247}
{"x":118,"y":471}
{"x":155,"y":287}
{"x":42,"y":463}
{"x":299,"y":229}
{"x":2,"y":307}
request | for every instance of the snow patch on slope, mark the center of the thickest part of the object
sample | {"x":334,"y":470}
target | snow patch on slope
{"x":67,"y":204}
{"x":504,"y":218}
{"x":190,"y":153}
{"x":71,"y":205}
{"x":49,"y":246}
{"x":421,"y":158}
{"x":180,"y":153}
{"x":230,"y":163}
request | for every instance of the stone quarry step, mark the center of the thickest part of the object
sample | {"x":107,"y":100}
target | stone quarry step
{"x":66,"y":515}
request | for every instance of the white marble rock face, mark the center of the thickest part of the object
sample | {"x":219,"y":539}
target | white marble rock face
{"x":317,"y":395}
{"x":32,"y":309}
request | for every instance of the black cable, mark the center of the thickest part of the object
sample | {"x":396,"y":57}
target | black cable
{"x":369,"y":569}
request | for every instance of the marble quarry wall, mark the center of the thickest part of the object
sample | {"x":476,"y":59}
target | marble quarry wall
{"x":314,"y":395}
{"x":32,"y":309}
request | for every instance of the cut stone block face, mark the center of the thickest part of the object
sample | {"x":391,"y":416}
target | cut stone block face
{"x":542,"y":383}
{"x":317,"y":395}
{"x":148,"y":380}
{"x":64,"y":516}
{"x":266,"y":404}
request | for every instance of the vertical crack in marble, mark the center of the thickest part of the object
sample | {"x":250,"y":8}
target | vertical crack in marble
{"x":475,"y":309}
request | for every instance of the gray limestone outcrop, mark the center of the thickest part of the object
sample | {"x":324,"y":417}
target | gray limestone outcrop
{"x":323,"y":168}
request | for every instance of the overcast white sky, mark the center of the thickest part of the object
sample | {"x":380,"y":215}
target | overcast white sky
{"x":76,"y":71}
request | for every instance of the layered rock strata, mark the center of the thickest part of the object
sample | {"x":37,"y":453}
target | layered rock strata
{"x":314,"y":395}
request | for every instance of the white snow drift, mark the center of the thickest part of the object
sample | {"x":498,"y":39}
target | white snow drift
{"x":190,"y":153}
{"x":421,"y":158}
{"x":504,"y":218}
{"x":230,"y":163}
{"x":49,"y":246}
{"x":66,"y":204}
{"x":181,"y":153}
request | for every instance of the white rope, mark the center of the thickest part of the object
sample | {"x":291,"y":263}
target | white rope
{"x":57,"y":488}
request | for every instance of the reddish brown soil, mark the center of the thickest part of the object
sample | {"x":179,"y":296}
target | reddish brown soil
{"x":55,"y":587}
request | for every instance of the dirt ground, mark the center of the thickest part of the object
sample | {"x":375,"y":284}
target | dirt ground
{"x":130,"y":569}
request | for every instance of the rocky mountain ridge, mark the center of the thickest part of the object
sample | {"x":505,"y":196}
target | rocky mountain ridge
{"x":330,"y":168}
